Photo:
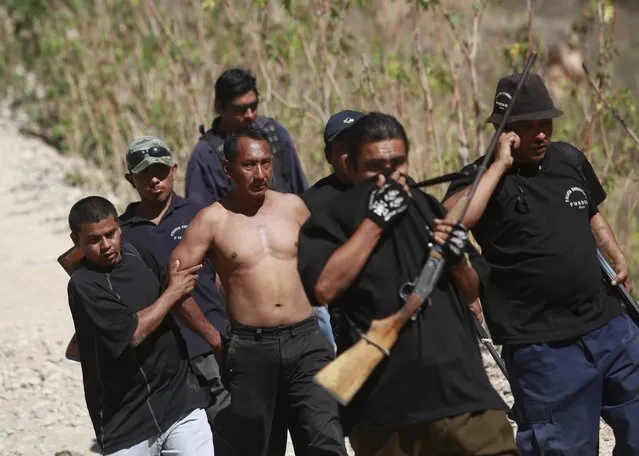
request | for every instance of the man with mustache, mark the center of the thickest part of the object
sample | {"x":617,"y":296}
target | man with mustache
{"x":430,"y":396}
{"x":571,"y":352}
{"x":276,"y":345}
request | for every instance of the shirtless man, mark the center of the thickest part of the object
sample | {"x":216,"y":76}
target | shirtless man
{"x":276,"y":345}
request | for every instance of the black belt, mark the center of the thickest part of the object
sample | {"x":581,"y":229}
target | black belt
{"x":295,"y":328}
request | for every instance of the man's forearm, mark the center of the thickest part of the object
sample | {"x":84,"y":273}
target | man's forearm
{"x":191,"y":315}
{"x":467,"y":280}
{"x":346,"y":262}
{"x":605,"y":238}
{"x":482,"y":195}
{"x":150,"y":317}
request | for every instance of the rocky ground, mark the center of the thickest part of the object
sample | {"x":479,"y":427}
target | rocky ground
{"x":42,"y":408}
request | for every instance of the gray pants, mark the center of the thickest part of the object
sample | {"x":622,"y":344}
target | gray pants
{"x":217,"y":413}
{"x":188,"y":436}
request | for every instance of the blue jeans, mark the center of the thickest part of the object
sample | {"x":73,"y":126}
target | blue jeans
{"x":324,"y":321}
{"x":188,"y":436}
{"x":562,"y":388}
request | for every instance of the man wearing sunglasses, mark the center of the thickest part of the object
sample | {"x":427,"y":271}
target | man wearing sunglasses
{"x":236,"y":103}
{"x":571,"y":352}
{"x":156,"y":223}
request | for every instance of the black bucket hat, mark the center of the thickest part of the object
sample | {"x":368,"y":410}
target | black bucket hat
{"x":533,"y":101}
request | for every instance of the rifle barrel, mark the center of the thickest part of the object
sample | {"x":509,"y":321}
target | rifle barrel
{"x":624,"y":295}
{"x":485,"y":339}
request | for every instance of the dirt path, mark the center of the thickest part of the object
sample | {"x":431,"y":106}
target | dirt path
{"x":42,"y":409}
{"x":42,"y":405}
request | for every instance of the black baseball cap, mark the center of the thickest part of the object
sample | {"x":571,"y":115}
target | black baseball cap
{"x":339,"y":122}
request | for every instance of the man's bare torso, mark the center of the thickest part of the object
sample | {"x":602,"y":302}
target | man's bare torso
{"x":256,"y":259}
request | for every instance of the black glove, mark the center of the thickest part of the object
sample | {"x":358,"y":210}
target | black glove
{"x":455,"y":246}
{"x":386,"y":203}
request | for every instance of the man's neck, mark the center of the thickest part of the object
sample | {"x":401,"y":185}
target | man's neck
{"x":248,"y":206}
{"x":343,"y":179}
{"x":222,"y":127}
{"x":98,"y":267}
{"x":153,"y":211}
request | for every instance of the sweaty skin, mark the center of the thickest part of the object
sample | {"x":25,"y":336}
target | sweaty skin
{"x":251,"y":236}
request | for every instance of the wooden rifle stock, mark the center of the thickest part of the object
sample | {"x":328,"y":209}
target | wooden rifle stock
{"x":345,"y":375}
{"x":69,"y":261}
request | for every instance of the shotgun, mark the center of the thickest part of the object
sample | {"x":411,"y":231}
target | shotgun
{"x":346,"y":374}
{"x":631,"y":306}
{"x":69,"y":261}
{"x":485,"y":339}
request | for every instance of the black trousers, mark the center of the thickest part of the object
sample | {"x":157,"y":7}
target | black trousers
{"x":269,"y":374}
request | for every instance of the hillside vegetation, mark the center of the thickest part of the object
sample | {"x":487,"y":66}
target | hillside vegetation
{"x":92,"y":74}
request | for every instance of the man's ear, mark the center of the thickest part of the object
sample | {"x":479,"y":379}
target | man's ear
{"x":174,"y":169}
{"x":344,"y":163}
{"x":226,"y":165}
{"x":348,"y":167}
{"x":74,"y":238}
{"x":129,"y":178}
{"x":218,"y":106}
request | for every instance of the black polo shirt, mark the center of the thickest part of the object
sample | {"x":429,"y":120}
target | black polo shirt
{"x":160,"y":240}
{"x":435,"y":369}
{"x":132,"y":394}
{"x":324,"y":190}
{"x":545,"y":283}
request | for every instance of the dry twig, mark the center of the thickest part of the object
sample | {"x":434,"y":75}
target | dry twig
{"x":612,"y":109}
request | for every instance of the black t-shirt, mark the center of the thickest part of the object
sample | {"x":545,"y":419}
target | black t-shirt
{"x":132,"y":394}
{"x":435,"y":368}
{"x":545,"y":282}
{"x":323,"y":191}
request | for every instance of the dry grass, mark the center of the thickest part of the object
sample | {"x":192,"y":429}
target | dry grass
{"x":110,"y":70}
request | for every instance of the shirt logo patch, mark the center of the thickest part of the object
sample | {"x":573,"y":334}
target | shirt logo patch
{"x":576,"y":197}
{"x":176,"y":233}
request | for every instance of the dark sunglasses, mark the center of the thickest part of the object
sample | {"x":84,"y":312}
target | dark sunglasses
{"x":521,"y":205}
{"x":242,"y":108}
{"x":135,"y":158}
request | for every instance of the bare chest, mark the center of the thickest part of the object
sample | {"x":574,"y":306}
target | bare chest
{"x":247,"y":240}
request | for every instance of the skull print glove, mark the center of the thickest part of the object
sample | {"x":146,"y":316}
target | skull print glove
{"x":386,"y":203}
{"x":455,"y":246}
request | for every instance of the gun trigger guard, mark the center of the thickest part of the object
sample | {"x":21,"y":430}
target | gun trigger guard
{"x":406,"y":289}
{"x":414,"y":316}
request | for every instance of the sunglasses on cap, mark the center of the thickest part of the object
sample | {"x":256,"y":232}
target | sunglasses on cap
{"x":135,"y":158}
{"x":242,"y":108}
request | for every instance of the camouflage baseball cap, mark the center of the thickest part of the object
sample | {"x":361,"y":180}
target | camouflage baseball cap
{"x":146,"y":151}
